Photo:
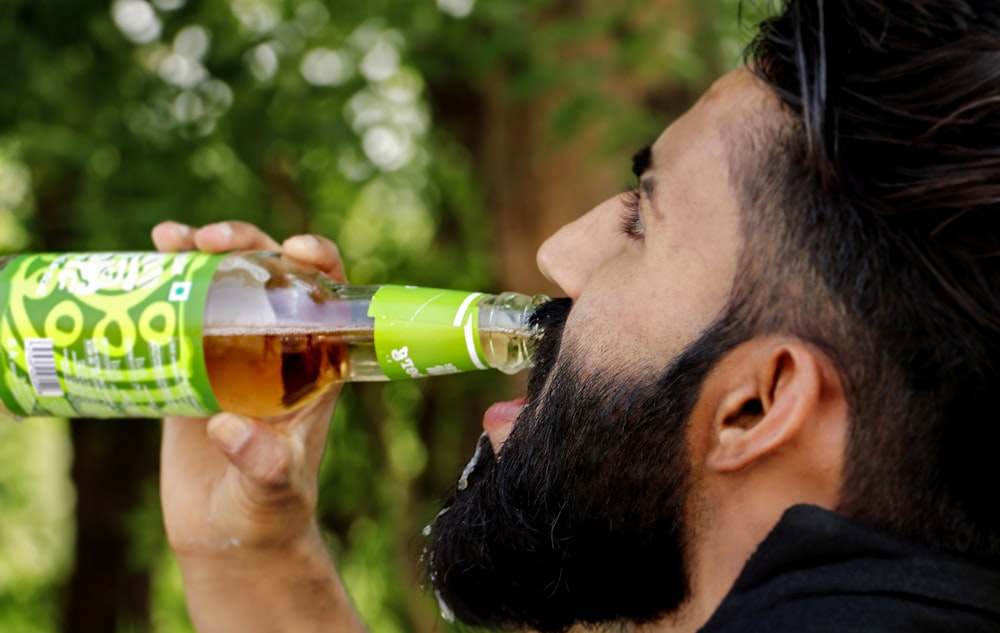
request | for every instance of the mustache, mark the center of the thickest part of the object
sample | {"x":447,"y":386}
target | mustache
{"x":550,"y":318}
{"x":551,"y":313}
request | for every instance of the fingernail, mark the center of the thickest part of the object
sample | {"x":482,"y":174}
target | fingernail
{"x":181,"y":230}
{"x":231,"y":431}
{"x":222,"y":230}
{"x":303,"y":241}
{"x":311,"y":241}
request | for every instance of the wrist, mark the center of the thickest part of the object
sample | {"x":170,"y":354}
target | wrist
{"x":289,"y":586}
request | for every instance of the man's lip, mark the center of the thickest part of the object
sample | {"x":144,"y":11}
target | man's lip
{"x":499,"y":420}
{"x":501,"y":415}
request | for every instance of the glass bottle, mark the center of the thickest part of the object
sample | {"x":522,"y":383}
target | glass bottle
{"x":152,"y":334}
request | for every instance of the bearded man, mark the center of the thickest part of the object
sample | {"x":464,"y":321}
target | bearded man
{"x":766,"y":403}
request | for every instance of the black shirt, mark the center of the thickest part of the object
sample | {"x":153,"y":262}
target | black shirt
{"x":819,"y":572}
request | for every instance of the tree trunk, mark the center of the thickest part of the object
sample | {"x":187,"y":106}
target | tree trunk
{"x":109,"y":588}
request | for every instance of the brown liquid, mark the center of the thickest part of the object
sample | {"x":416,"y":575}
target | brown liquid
{"x":268,"y":374}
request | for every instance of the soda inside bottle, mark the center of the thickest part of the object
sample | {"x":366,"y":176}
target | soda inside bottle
{"x":275,"y":338}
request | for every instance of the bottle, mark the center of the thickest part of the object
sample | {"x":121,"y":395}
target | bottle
{"x":134,"y":334}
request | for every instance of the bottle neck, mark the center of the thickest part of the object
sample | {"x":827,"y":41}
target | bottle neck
{"x":506,"y":333}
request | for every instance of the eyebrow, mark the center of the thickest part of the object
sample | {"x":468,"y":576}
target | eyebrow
{"x":642,"y":161}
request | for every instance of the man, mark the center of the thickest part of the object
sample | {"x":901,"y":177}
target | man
{"x":769,"y":407}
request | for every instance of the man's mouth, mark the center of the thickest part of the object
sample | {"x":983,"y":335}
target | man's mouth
{"x":499,"y":419}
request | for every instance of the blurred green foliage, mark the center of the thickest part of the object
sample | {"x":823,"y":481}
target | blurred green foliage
{"x":298,"y":115}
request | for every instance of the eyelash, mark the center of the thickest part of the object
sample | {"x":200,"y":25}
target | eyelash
{"x":631,"y":221}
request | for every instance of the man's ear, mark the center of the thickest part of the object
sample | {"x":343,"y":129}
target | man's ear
{"x":769,"y":390}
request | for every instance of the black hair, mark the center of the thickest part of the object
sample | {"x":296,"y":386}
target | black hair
{"x":871,"y":212}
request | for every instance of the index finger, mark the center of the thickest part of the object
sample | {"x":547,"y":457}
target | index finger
{"x":233,"y":236}
{"x":173,"y":236}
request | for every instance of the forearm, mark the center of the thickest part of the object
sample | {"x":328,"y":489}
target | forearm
{"x":248,"y":590}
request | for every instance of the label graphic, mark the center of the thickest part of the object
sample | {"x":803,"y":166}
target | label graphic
{"x":105,"y":334}
{"x":426,"y":331}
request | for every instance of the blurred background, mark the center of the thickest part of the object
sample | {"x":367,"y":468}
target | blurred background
{"x":438,"y":142}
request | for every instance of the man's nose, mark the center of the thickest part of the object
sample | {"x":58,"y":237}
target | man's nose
{"x":572,"y":255}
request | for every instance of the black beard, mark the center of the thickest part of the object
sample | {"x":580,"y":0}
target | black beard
{"x":581,"y":519}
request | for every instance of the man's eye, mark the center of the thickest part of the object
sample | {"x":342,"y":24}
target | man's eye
{"x":631,"y":222}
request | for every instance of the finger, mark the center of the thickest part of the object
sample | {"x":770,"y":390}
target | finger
{"x":173,"y":236}
{"x":311,"y":424}
{"x":233,"y":236}
{"x":318,"y":252}
{"x":268,"y":460}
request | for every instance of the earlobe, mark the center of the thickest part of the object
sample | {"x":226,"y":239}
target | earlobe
{"x":774,"y":388}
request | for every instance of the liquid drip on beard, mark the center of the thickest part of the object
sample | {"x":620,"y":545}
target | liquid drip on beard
{"x":463,"y":482}
{"x":446,"y":613}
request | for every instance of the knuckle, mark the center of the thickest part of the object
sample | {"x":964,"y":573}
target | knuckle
{"x":275,"y":472}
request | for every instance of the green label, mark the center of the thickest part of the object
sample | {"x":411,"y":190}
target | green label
{"x":426,"y":331}
{"x":105,"y":334}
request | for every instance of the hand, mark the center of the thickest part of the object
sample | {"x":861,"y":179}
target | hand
{"x":239,"y":494}
{"x":232,"y":485}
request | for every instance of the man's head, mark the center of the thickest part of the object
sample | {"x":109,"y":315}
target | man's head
{"x":805,"y":250}
{"x":584,"y":513}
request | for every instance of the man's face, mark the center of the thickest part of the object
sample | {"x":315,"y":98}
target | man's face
{"x":577,"y":511}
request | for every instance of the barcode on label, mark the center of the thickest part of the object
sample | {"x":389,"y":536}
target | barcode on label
{"x":41,"y":358}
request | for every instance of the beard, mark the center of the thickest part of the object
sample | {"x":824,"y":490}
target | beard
{"x":580,"y":518}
